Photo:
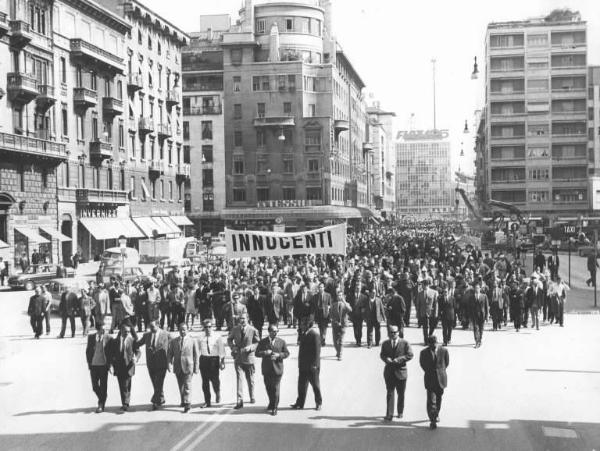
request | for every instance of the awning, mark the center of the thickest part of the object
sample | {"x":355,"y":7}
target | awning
{"x":3,"y":245}
{"x":145,"y":190}
{"x":111,"y":228}
{"x":31,"y":235}
{"x":173,"y":228}
{"x":162,"y":227}
{"x":147,"y":225}
{"x":55,"y":234}
{"x":181,"y":220}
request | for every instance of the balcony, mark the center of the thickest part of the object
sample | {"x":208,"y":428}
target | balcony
{"x":367,"y":147}
{"x":100,"y":196}
{"x":20,"y":34}
{"x":4,"y":28}
{"x":164,"y":131}
{"x":201,"y":110}
{"x":340,"y":126}
{"x":112,"y":106}
{"x":17,"y":146}
{"x":173,"y":98}
{"x":84,"y":98}
{"x":22,"y":88}
{"x":146,"y":125}
{"x":94,"y":56}
{"x":46,"y":99}
{"x":135,"y":82}
{"x":183,"y":170}
{"x":155,"y":168}
{"x":275,"y":121}
{"x":100,"y":150}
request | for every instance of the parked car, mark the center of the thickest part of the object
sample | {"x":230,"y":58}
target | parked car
{"x":113,"y":257}
{"x":58,"y":286}
{"x":185,"y":264}
{"x":127,"y":274}
{"x":38,"y":274}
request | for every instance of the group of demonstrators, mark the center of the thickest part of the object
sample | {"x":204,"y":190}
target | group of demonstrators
{"x":388,"y":275}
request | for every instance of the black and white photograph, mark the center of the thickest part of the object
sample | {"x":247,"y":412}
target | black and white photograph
{"x":272,"y":225}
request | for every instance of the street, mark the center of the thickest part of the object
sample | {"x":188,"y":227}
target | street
{"x":532,"y":390}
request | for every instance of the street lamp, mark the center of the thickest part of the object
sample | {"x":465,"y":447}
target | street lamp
{"x":281,"y":136}
{"x":466,"y":129}
{"x":475,"y":73}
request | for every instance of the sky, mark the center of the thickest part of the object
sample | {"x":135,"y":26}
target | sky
{"x":391,"y":44}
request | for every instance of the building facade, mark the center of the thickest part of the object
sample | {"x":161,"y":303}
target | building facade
{"x":536,"y":136}
{"x":381,"y":136}
{"x":424,"y":185}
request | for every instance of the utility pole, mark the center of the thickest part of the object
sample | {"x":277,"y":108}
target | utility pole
{"x":434,"y":106}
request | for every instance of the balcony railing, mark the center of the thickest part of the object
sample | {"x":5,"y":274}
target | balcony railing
{"x":184,"y":170}
{"x":84,"y":97}
{"x":4,"y":28}
{"x":47,"y":98}
{"x":146,"y":125}
{"x":22,"y":88}
{"x":156,"y":166}
{"x":274,"y":121}
{"x":112,"y":106}
{"x":173,"y":98}
{"x":32,"y":146}
{"x":200,"y":110}
{"x":85,"y":50}
{"x":135,"y":82}
{"x":20,"y":34}
{"x":100,"y":196}
{"x":100,"y":149}
{"x":164,"y":130}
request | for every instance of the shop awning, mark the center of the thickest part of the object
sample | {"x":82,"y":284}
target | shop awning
{"x":111,"y":228}
{"x":181,"y":220}
{"x":170,"y":225}
{"x":3,"y":245}
{"x":55,"y":234}
{"x":31,"y":235}
{"x":148,"y":225}
{"x":162,"y":227}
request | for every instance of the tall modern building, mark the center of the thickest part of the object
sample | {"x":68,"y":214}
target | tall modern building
{"x":424,"y":185}
{"x":535,"y":125}
{"x":294,"y":153}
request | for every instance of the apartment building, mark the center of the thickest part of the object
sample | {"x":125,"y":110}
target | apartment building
{"x":204,"y":123}
{"x":424,"y":185}
{"x":296,"y":151}
{"x":536,"y":120}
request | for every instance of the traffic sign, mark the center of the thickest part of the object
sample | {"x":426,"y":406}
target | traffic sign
{"x":569,"y":230}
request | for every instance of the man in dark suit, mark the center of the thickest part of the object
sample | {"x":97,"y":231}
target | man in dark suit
{"x":434,"y":360}
{"x":183,"y":361}
{"x":35,"y":310}
{"x":338,"y":314}
{"x":479,"y":313}
{"x":309,"y":364}
{"x":534,"y":299}
{"x":97,"y":353}
{"x":447,"y":307}
{"x":242,"y":340}
{"x":322,"y":302}
{"x":395,"y":308}
{"x":272,"y":350}
{"x":124,"y":356}
{"x":373,"y":311}
{"x":427,"y":309}
{"x":68,"y":309}
{"x":395,"y":352}
{"x":156,"y":341}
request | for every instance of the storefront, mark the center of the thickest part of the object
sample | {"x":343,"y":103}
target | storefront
{"x":97,"y":234}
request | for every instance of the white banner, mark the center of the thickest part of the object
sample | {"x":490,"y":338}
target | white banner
{"x":249,"y":243}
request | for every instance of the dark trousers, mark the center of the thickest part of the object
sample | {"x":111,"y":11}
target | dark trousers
{"x":394,"y":386}
{"x":338,"y":338}
{"x":434,"y":403}
{"x":272,"y":386}
{"x":377,"y":327}
{"x":258,"y":323}
{"x":177,"y":316}
{"x":63,"y":327}
{"x":37,"y":324}
{"x":47,"y":320}
{"x":447,"y":326}
{"x":304,"y":378}
{"x":357,"y":325}
{"x":428,"y":323}
{"x":478,"y":329}
{"x":535,"y":320}
{"x":560,"y":312}
{"x":157,"y":376}
{"x":124,"y":387}
{"x":525,"y":317}
{"x":219,"y":316}
{"x":209,"y":371}
{"x":407,"y":312}
{"x":99,"y":377}
{"x":323,"y":325}
{"x":142,"y":319}
{"x":517,"y":316}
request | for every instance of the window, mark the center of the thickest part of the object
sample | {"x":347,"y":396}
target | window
{"x":140,"y":38}
{"x":109,"y":178}
{"x":539,"y":196}
{"x":261,"y":166}
{"x":261,"y":83}
{"x":122,"y":179}
{"x":537,"y":129}
{"x":261,"y":26}
{"x":153,"y":189}
{"x":236,"y":56}
{"x":95,"y":177}
{"x":537,"y":152}
{"x":170,"y":189}
{"x":65,"y":119}
{"x":281,"y":83}
{"x":287,"y":107}
{"x":537,"y":40}
{"x":292,"y":82}
{"x":313,"y":193}
{"x":289,"y":193}
{"x":207,"y":178}
{"x":208,"y":202}
{"x":207,"y":154}
{"x":80,"y":176}
{"x":239,"y":195}
{"x":143,"y":149}
{"x":260,"y":138}
{"x":262,"y":194}
{"x":237,"y":111}
{"x":288,"y":166}
{"x":313,"y":165}
{"x":44,"y":178}
{"x":539,"y":174}
{"x":21,"y":178}
{"x":237,"y":138}
{"x":80,"y":127}
{"x":261,"y":109}
{"x":207,"y":131}
{"x":238,"y":165}
{"x":93,"y":81}
{"x":186,"y":130}
{"x":132,"y":144}
{"x":121,"y":135}
{"x":312,"y":139}
{"x":289,"y":24}
{"x":312,"y":110}
{"x":63,"y":69}
{"x":120,"y":90}
{"x":162,"y":189}
{"x":237,"y":82}
{"x":537,"y":85}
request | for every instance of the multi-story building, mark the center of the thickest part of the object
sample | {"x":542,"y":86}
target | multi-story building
{"x":295,"y":137}
{"x":204,"y":124}
{"x":381,"y":134}
{"x":536,"y":119}
{"x":424,"y":185}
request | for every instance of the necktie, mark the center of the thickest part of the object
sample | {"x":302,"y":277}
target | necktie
{"x":153,"y":340}
{"x":207,"y":345}
{"x":243,"y":335}
{"x":122,"y":344}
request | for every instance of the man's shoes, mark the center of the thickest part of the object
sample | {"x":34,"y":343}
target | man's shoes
{"x":252,"y":401}
{"x":186,"y":409}
{"x":296,"y":406}
{"x":318,"y":407}
{"x":182,"y":405}
{"x":218,"y":400}
{"x":437,"y":419}
{"x":387,"y":418}
{"x":273,"y":412}
{"x":154,"y":407}
{"x":239,"y":405}
{"x":369,"y":346}
{"x":205,"y":405}
{"x":124,"y":407}
{"x":432,"y":425}
{"x":99,"y":409}
{"x":400,"y":415}
{"x":475,"y":346}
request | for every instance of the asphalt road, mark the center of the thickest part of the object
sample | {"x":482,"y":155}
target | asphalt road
{"x":532,"y":390}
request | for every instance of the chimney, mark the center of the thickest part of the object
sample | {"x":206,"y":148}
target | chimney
{"x":274,"y":44}
{"x":248,"y":24}
{"x":327,"y":6}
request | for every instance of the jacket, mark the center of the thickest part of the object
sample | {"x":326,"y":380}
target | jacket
{"x":373,"y":310}
{"x":238,"y":341}
{"x":269,"y":366}
{"x":309,"y":350}
{"x":37,"y":304}
{"x":435,"y":369}
{"x":91,"y":348}
{"x":123,"y":360}
{"x":400,"y":354}
{"x":427,"y":303}
{"x":156,"y":353}
{"x":339,"y":313}
{"x":184,"y":357}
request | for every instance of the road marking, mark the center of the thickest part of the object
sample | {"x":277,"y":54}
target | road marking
{"x":559,"y":432}
{"x":207,"y":424}
{"x":126,"y":427}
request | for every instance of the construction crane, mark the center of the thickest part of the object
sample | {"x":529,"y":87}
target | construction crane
{"x":497,"y":217}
